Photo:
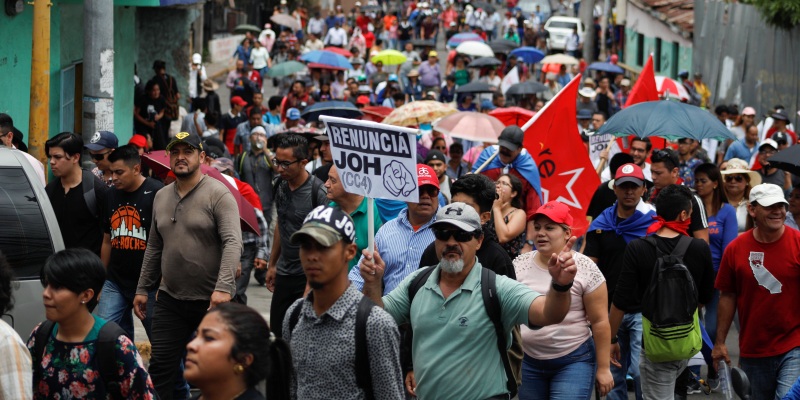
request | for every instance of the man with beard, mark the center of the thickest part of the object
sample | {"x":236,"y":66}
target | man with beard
{"x":455,"y":344}
{"x":402,"y":240}
{"x":318,"y":326}
{"x":193,"y":250}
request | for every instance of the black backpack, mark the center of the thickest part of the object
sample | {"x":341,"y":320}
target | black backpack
{"x":363,"y":375}
{"x":104,"y":354}
{"x":492,"y":304}
{"x":89,"y":196}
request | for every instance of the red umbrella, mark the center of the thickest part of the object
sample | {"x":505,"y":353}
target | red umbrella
{"x":375,"y":113}
{"x":325,"y":66}
{"x":158,"y":161}
{"x":512,"y":115}
{"x":339,"y":51}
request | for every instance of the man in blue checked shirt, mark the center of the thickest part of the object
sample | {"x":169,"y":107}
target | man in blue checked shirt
{"x":402,"y":240}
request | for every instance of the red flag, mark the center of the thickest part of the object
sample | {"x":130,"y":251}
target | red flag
{"x":645,"y":89}
{"x":564,"y":165}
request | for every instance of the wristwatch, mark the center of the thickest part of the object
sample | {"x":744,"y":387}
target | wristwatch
{"x":529,"y":242}
{"x":561,"y":288}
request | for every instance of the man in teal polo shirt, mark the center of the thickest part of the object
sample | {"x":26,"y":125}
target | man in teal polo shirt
{"x":454,"y":347}
{"x":356,"y":206}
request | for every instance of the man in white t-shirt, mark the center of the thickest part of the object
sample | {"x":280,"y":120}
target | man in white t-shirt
{"x":6,"y":139}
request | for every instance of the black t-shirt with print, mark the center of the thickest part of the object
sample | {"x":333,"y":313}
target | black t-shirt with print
{"x":128,"y":219}
{"x":148,"y":109}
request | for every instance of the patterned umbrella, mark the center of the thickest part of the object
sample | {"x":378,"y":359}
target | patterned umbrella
{"x":419,"y":112}
{"x":459,"y":38}
{"x":672,"y":87}
{"x":471,"y":126}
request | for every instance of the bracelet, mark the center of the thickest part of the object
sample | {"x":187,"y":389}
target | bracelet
{"x":562,"y":288}
{"x":614,"y":339}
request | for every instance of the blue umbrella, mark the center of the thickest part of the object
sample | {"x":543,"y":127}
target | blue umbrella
{"x":327,"y":58}
{"x":606,"y":67}
{"x":667,"y":119}
{"x":459,"y":38}
{"x":530,"y":55}
{"x":342,"y":109}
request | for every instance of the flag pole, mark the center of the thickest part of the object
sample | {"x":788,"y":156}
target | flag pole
{"x":485,"y":163}
{"x":370,"y":225}
{"x":602,"y":163}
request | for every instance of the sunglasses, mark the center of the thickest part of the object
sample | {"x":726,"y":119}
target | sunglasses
{"x":737,"y":178}
{"x":100,"y":156}
{"x":445,"y":234}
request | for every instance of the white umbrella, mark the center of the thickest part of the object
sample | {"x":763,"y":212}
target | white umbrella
{"x":476,"y":49}
{"x":286,"y":20}
{"x":560,"y":59}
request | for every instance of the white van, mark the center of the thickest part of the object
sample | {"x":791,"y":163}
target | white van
{"x":560,"y":29}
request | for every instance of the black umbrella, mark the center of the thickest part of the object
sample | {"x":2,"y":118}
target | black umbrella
{"x":342,"y":109}
{"x":503,"y":45}
{"x":787,"y":159}
{"x":484,"y":62}
{"x":475,"y":87}
{"x":423,"y":43}
{"x":526,"y":88}
{"x":485,"y":6}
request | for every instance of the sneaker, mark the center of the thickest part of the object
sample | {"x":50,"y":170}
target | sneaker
{"x":693,"y":387}
{"x":713,"y":383}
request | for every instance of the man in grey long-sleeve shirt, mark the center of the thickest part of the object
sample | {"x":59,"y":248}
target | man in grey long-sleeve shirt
{"x":193,"y":251}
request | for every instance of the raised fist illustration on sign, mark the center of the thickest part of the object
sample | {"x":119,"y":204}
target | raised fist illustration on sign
{"x":398,"y":180}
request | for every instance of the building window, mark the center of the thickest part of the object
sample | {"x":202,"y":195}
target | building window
{"x":67,"y":104}
{"x":657,"y":59}
{"x":639,"y":49}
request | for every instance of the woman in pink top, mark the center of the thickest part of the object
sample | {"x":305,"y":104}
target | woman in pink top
{"x":565,"y":361}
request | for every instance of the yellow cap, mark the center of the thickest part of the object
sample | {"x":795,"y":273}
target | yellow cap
{"x":433,"y":53}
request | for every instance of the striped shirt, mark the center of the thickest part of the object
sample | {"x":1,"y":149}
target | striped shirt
{"x":15,"y":366}
{"x":400,"y":248}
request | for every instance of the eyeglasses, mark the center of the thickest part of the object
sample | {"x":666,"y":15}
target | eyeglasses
{"x":737,"y":178}
{"x":100,"y":156}
{"x":283,"y":164}
{"x":768,"y":151}
{"x":460,"y":236}
{"x":430,"y":190}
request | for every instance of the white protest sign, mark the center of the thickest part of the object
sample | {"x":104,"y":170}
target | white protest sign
{"x":374,"y":160}
{"x":598,"y":143}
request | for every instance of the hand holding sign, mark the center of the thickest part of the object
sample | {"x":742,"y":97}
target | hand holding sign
{"x":398,"y":180}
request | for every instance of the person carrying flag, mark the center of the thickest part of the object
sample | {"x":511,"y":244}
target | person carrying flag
{"x":606,"y":240}
{"x":509,"y":157}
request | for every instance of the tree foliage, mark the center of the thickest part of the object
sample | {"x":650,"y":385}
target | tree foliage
{"x":784,"y":14}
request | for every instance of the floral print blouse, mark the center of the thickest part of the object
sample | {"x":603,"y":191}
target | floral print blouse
{"x":70,"y":371}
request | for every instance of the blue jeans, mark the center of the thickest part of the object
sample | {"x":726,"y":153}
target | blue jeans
{"x":566,"y":377}
{"x":630,"y":346}
{"x":772,"y":377}
{"x":116,"y":304}
{"x":247,"y":260}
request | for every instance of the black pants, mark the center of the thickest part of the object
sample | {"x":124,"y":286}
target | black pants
{"x":288,"y":288}
{"x":174,"y":322}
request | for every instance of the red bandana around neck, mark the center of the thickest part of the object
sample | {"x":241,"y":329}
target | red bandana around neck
{"x":677,"y":226}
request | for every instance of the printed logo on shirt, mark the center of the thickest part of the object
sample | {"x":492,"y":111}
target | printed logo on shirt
{"x":762,"y":274}
{"x":127,"y":230}
{"x":463,"y":321}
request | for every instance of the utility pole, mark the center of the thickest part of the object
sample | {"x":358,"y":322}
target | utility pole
{"x":98,"y":67}
{"x":39,"y":119}
{"x":604,"y":27}
{"x":586,"y":15}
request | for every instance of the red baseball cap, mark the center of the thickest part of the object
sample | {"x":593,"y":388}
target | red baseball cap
{"x":238,"y":101}
{"x":363,"y":100}
{"x":629,"y":173}
{"x":426,"y":176}
{"x":138,"y":141}
{"x":558,"y":212}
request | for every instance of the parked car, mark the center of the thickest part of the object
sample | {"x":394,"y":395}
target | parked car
{"x":29,"y":234}
{"x":560,"y":29}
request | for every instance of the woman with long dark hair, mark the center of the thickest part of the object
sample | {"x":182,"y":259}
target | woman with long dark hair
{"x":233,"y":351}
{"x":509,"y":215}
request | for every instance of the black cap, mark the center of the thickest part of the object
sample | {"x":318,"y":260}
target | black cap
{"x":780,"y":114}
{"x":435,"y":155}
{"x":327,"y":225}
{"x":188,"y":138}
{"x":511,"y":137}
{"x":214,"y":148}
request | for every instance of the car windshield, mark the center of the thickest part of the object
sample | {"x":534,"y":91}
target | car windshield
{"x":24,"y":238}
{"x":562,"y":24}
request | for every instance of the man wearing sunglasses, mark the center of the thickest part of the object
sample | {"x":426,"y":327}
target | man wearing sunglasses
{"x":402,"y":240}
{"x":100,"y":146}
{"x":455,"y":345}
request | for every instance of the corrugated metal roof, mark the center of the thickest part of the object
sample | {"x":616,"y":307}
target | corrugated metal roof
{"x":679,"y":14}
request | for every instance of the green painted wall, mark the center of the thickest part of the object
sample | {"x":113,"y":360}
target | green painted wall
{"x":15,"y":66}
{"x":685,"y":59}
{"x":124,"y":58}
{"x":631,"y":48}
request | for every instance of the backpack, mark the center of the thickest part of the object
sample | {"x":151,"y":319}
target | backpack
{"x":492,"y":304}
{"x":670,"y":327}
{"x":87,"y":186}
{"x":363,"y":374}
{"x":315,"y":185}
{"x":104,"y":353}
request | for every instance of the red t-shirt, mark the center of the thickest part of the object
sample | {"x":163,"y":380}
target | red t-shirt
{"x":770,"y":323}
{"x":792,"y":135}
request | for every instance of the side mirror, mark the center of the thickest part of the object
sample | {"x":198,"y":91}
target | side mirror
{"x":740,"y":383}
